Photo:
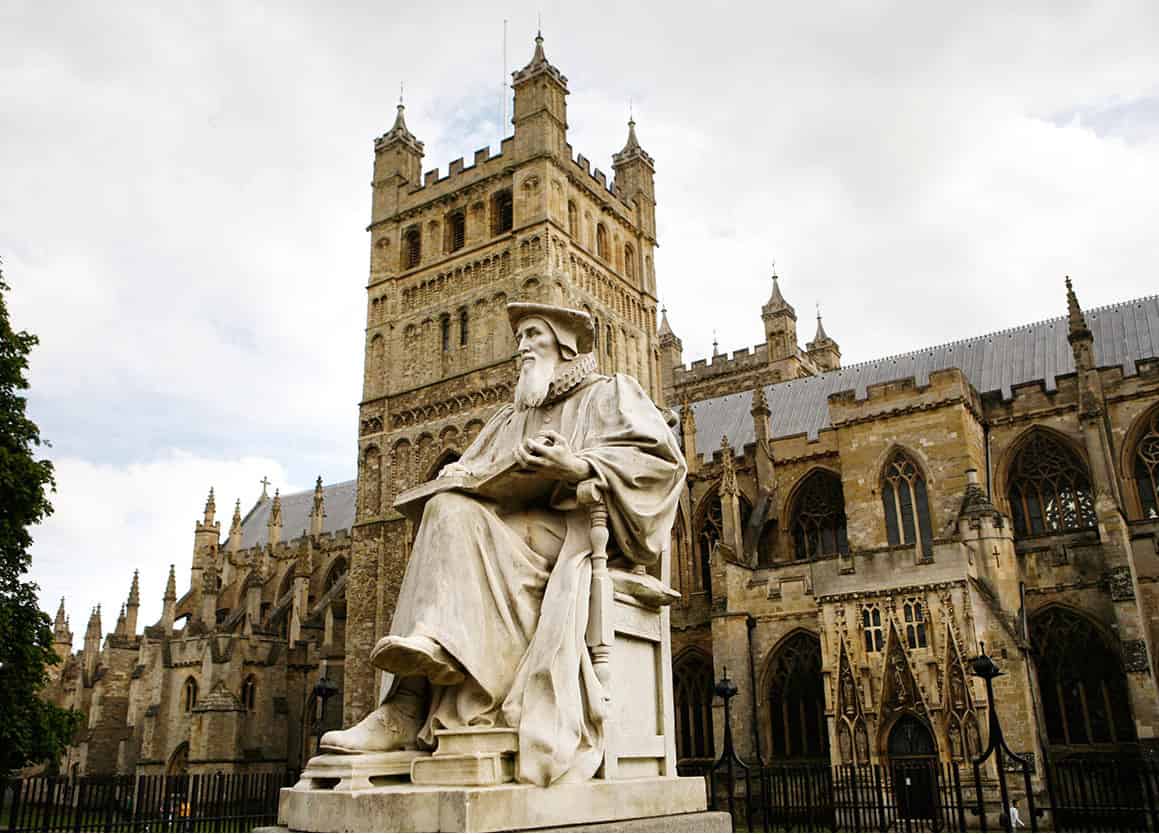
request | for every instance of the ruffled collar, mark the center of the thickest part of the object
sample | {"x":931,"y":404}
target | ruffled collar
{"x":568,"y":376}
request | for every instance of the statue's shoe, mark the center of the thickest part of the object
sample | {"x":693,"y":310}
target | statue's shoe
{"x":386,"y":729}
{"x":417,"y":655}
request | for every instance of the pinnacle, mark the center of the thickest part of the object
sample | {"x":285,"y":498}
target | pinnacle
{"x":665,"y":328}
{"x":1076,"y":320}
{"x":135,"y":590}
{"x":821,"y":336}
{"x":171,"y":585}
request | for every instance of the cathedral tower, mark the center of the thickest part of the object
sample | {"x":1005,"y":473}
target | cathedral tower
{"x":448,"y":252}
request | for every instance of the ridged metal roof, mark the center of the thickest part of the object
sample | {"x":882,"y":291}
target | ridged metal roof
{"x":1124,"y":333}
{"x":338,"y":504}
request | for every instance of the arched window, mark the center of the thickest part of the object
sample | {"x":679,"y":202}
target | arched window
{"x":818,"y":518}
{"x":797,"y":700}
{"x":249,"y":693}
{"x":456,"y":230}
{"x":502,"y":212}
{"x":1081,"y":680}
{"x":872,"y":629}
{"x":710,"y":532}
{"x":464,"y":333}
{"x":336,"y":572}
{"x":572,"y":220}
{"x":629,"y":262}
{"x":412,"y":247}
{"x":178,"y":761}
{"x":692,"y":689}
{"x":189,"y":698}
{"x":915,"y":623}
{"x":1147,"y":468}
{"x":1049,"y":489}
{"x":907,"y":507}
{"x":601,"y":241}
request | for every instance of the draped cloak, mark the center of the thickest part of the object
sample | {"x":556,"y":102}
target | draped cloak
{"x":506,"y":592}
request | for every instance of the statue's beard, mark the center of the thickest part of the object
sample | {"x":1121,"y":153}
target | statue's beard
{"x":534,"y":382}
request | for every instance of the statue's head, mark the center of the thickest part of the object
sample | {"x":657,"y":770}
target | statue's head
{"x":545,"y":337}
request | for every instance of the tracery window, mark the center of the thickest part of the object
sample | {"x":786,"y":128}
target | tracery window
{"x":1049,"y":489}
{"x":190,"y":694}
{"x":906,"y":504}
{"x":456,"y":230}
{"x":915,"y":623}
{"x":711,"y":531}
{"x":502,"y":212}
{"x":601,"y":241}
{"x":818,"y":518}
{"x":871,"y":628}
{"x":1081,"y":679}
{"x":412,"y":247}
{"x":797,"y":700}
{"x":692,"y":691}
{"x":1147,"y":468}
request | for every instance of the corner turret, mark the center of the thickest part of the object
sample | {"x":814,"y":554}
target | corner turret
{"x":825,"y":353}
{"x":398,"y":162}
{"x":540,"y":115}
{"x":780,"y":324}
{"x":671,"y":355}
{"x":635,"y":182}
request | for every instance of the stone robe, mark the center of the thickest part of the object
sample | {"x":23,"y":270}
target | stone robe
{"x":506,"y":591}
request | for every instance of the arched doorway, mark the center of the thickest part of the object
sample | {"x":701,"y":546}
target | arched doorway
{"x":913,"y":765}
{"x":797,"y":701}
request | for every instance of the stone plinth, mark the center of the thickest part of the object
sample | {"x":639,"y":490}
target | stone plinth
{"x":510,"y":807}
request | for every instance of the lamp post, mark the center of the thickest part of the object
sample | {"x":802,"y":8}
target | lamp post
{"x":984,"y":667}
{"x":323,"y":691}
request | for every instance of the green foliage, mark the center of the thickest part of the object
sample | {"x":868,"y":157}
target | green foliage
{"x":31,"y":730}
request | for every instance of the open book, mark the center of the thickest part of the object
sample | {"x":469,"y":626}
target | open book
{"x":504,"y":481}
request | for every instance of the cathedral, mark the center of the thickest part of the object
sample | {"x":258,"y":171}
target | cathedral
{"x":850,"y":535}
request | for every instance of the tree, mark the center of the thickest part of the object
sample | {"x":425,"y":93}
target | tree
{"x":31,"y":729}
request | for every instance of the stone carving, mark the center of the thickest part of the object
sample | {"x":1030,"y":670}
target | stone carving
{"x":1135,"y":656}
{"x":1119,"y":582}
{"x":844,"y":743}
{"x":488,"y":652}
{"x":861,"y":741}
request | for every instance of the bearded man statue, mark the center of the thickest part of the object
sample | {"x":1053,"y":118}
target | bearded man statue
{"x":491,"y":616}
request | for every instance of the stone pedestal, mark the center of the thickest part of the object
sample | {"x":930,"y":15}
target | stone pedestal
{"x":626,"y":804}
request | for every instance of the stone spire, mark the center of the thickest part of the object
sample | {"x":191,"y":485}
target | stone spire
{"x":824,"y":352}
{"x":235,"y":529}
{"x":274,"y":525}
{"x":60,"y":630}
{"x":318,"y":511}
{"x":132,"y":604}
{"x":210,"y":508}
{"x":776,"y":302}
{"x":665,"y":329}
{"x":171,"y":584}
{"x":169,"y":601}
{"x":632,"y":150}
{"x":538,"y":65}
{"x":399,"y":133}
{"x":120,"y":629}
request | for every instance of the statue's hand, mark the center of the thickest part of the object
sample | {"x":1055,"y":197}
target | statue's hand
{"x":453,"y":469}
{"x":551,"y":455}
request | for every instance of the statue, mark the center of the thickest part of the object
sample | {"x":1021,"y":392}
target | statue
{"x":490,"y":623}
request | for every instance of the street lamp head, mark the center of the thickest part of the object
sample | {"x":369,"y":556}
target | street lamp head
{"x":725,"y":688}
{"x":984,"y":666}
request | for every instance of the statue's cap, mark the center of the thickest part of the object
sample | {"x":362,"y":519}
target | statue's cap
{"x":572,"y":328}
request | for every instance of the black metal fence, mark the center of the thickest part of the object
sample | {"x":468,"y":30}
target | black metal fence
{"x":208,"y":802}
{"x":1079,"y":794}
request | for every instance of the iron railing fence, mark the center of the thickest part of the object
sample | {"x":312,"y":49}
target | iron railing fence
{"x":201,"y":802}
{"x":1104,"y":794}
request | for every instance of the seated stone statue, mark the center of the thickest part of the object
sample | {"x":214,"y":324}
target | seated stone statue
{"x":490,"y":623}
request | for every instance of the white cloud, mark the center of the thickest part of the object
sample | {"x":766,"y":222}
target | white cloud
{"x":185,"y":193}
{"x":111,"y":520}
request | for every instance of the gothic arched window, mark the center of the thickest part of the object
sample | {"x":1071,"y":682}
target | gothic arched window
{"x":692,"y":692}
{"x":1049,"y":489}
{"x":710,"y":532}
{"x":797,"y":700}
{"x":1081,"y":679}
{"x":502,"y":212}
{"x":189,"y":700}
{"x":1147,"y":468}
{"x":336,"y":572}
{"x":818,"y":518}
{"x":249,"y":693}
{"x":412,"y":247}
{"x":907,"y":507}
{"x":456,"y":230}
{"x":629,"y":262}
{"x":601,"y":241}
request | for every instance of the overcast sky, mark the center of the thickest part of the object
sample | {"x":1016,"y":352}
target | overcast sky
{"x":184,"y":191}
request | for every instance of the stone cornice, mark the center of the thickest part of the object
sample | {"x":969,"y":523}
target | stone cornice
{"x":901,"y":590}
